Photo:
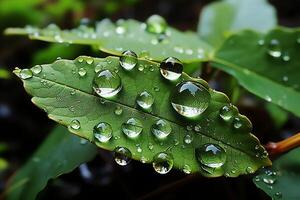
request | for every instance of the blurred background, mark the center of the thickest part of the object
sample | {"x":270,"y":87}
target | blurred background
{"x":23,"y":126}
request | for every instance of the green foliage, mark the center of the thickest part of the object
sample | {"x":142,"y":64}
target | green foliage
{"x":220,"y":18}
{"x":66,"y":94}
{"x":282,"y":180}
{"x":60,"y":153}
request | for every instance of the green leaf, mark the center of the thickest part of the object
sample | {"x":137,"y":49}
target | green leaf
{"x":67,"y":96}
{"x":60,"y":153}
{"x":247,"y":57}
{"x":219,"y":18}
{"x":126,"y":35}
{"x":283,"y":179}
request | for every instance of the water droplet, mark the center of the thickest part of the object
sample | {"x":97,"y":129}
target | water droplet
{"x":150,"y":146}
{"x":102,"y":132}
{"x":107,"y":83}
{"x":25,"y":74}
{"x":156,"y":89}
{"x":274,"y":48}
{"x":162,"y":163}
{"x":227,"y":112}
{"x":141,"y":68}
{"x":80,"y":59}
{"x":285,"y":78}
{"x":186,"y":169}
{"x":122,"y":156}
{"x":156,"y":24}
{"x":285,"y":56}
{"x":89,"y":60}
{"x":75,"y":124}
{"x":211,"y":155}
{"x":242,"y":123}
{"x":73,"y":91}
{"x":145,"y":100}
{"x":132,"y":128}
{"x":82,"y":72}
{"x":188,"y":139}
{"x":128,"y":60}
{"x":278,"y":195}
{"x":118,"y":110}
{"x":139,"y":148}
{"x":249,"y":170}
{"x":261,"y":42}
{"x":190,"y":99}
{"x":161,"y":129}
{"x":36,"y":69}
{"x":171,"y":68}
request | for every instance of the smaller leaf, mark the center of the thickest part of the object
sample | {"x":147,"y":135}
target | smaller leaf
{"x":60,"y":153}
{"x":282,"y":180}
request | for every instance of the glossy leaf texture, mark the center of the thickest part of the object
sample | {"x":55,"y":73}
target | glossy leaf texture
{"x":282,"y":180}
{"x":66,"y":94}
{"x":60,"y":153}
{"x":115,"y":38}
{"x":265,"y":64}
{"x":218,"y":19}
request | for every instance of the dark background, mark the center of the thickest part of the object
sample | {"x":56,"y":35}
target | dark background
{"x":23,"y":126}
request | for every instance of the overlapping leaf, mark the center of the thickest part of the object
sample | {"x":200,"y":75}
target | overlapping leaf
{"x":68,"y":96}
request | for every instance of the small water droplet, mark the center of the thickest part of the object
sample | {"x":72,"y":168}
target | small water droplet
{"x":122,"y":156}
{"x":128,"y":60}
{"x":36,"y":69}
{"x":89,"y":60}
{"x":132,"y":128}
{"x":261,"y":42}
{"x":188,"y":139}
{"x":145,"y":100}
{"x":82,"y":72}
{"x":75,"y":124}
{"x":227,"y":112}
{"x":286,"y":56}
{"x":162,"y":163}
{"x":139,"y":148}
{"x":171,"y":68}
{"x":107,"y":83}
{"x":150,"y":146}
{"x":25,"y":74}
{"x":156,"y":24}
{"x":274,"y":48}
{"x":186,"y":169}
{"x":278,"y":195}
{"x":141,"y":68}
{"x":161,"y":129}
{"x":118,"y":110}
{"x":156,"y":89}
{"x":103,"y":132}
{"x":242,"y":123}
{"x":190,"y":99}
{"x":249,"y":170}
{"x":211,"y":155}
{"x":285,"y":78}
{"x":73,"y":92}
{"x":80,"y":59}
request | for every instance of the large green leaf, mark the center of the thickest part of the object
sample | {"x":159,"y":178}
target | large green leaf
{"x":66,"y":94}
{"x":247,"y":56}
{"x":60,"y":153}
{"x":126,"y":35}
{"x":219,"y":18}
{"x":283,"y":179}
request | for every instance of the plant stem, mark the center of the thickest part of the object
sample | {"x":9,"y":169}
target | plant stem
{"x":277,"y":148}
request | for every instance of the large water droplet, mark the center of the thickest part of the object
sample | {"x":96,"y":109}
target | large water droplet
{"x":122,"y":156}
{"x":25,"y":74}
{"x":156,"y":24}
{"x":145,"y":100}
{"x":161,"y":129}
{"x":190,"y":99}
{"x":128,"y":60}
{"x":242,"y":123}
{"x":162,"y":163}
{"x":103,"y":132}
{"x":75,"y":124}
{"x":132,"y":128}
{"x":36,"y":69}
{"x":211,"y":155}
{"x":227,"y":112}
{"x":274,"y":48}
{"x":171,"y":68}
{"x":107,"y":83}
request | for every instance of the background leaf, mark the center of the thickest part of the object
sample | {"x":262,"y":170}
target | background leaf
{"x":273,"y":78}
{"x":54,"y":157}
{"x":67,"y":96}
{"x":219,"y":18}
{"x":284,"y":183}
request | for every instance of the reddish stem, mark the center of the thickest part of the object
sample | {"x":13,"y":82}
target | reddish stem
{"x":276,"y":148}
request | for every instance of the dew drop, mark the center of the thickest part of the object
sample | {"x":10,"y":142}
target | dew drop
{"x":89,"y":60}
{"x":25,"y":74}
{"x":156,"y":24}
{"x":186,"y":169}
{"x":171,"y":68}
{"x":242,"y":123}
{"x":188,"y":139}
{"x":227,"y":112}
{"x":132,"y":128}
{"x":122,"y":156}
{"x":145,"y":100}
{"x":75,"y":124}
{"x":161,"y":129}
{"x":80,"y":59}
{"x":274,"y":48}
{"x":211,"y":155}
{"x":162,"y":163}
{"x":190,"y":99}
{"x":249,"y":170}
{"x":107,"y":83}
{"x":278,"y":195}
{"x":285,"y":56}
{"x":36,"y":69}
{"x":103,"y":132}
{"x":82,"y":72}
{"x":128,"y":60}
{"x":150,"y":146}
{"x":118,"y":110}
